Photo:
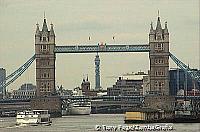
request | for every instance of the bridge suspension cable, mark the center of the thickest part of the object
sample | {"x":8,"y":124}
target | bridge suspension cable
{"x":13,"y":76}
{"x":193,"y":74}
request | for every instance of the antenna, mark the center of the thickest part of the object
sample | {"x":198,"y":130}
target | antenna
{"x":44,"y":14}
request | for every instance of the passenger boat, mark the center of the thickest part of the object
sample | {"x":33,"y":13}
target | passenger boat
{"x":33,"y":117}
{"x":184,"y":113}
{"x":79,"y":105}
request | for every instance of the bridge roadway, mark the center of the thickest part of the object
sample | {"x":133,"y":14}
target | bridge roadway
{"x":21,"y":104}
{"x":102,"y":48}
{"x":3,"y":101}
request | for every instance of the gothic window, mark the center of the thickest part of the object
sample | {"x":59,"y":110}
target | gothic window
{"x":159,"y":61}
{"x":44,"y":47}
{"x":159,"y":72}
{"x":45,"y":85}
{"x":48,"y":48}
{"x":159,"y":84}
{"x":45,"y":75}
{"x":42,"y":85}
{"x":159,"y":46}
{"x":156,"y":84}
{"x":44,"y":39}
{"x":48,"y":86}
{"x":44,"y":62}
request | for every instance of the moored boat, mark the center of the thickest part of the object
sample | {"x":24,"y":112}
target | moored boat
{"x":79,"y":105}
{"x":33,"y":117}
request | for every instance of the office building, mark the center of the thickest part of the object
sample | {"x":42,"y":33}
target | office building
{"x":25,"y":91}
{"x":128,"y":85}
{"x":180,"y":81}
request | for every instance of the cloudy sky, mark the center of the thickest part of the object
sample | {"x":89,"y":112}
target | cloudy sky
{"x":75,"y":20}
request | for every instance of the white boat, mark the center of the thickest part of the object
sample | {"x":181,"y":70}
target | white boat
{"x":79,"y":106}
{"x":33,"y":117}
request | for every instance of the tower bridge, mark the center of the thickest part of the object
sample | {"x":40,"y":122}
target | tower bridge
{"x":46,"y":50}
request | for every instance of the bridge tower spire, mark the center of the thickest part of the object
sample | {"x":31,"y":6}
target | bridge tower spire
{"x":45,"y":60}
{"x":159,"y":59}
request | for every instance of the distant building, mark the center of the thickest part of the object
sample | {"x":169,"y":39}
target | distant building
{"x":128,"y":85}
{"x":25,"y":91}
{"x":97,"y":72}
{"x":85,"y":86}
{"x":63,"y":92}
{"x":2,"y":81}
{"x":86,"y":90}
{"x":178,"y":81}
{"x":193,"y":92}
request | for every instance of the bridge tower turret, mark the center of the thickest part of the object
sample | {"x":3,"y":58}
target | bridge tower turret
{"x":45,"y":60}
{"x":159,"y":59}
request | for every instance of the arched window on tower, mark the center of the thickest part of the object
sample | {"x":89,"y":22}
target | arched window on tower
{"x":159,"y":47}
{"x":44,"y":39}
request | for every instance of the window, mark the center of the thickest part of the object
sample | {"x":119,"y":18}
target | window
{"x":44,"y":62}
{"x":159,"y":46}
{"x":48,"y":85}
{"x":44,"y":47}
{"x":42,"y":86}
{"x":45,"y":75}
{"x":159,"y":84}
{"x":159,"y":73}
{"x":159,"y":61}
{"x":44,"y":39}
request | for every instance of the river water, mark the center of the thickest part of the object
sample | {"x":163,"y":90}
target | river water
{"x":88,"y":123}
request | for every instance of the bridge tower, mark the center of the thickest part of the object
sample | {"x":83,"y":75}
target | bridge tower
{"x":159,"y":59}
{"x":97,"y":72}
{"x":45,"y":60}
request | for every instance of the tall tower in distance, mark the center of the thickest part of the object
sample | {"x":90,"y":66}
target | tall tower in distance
{"x":97,"y":72}
{"x":159,"y":59}
{"x":2,"y":82}
{"x":45,"y":60}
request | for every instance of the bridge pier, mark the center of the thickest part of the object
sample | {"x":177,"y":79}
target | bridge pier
{"x":45,"y":71}
{"x":163,"y":102}
{"x":51,"y":103}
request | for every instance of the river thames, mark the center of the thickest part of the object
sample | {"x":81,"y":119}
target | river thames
{"x":88,"y":123}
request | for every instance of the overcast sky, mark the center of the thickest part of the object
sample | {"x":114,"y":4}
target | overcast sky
{"x":75,"y":20}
